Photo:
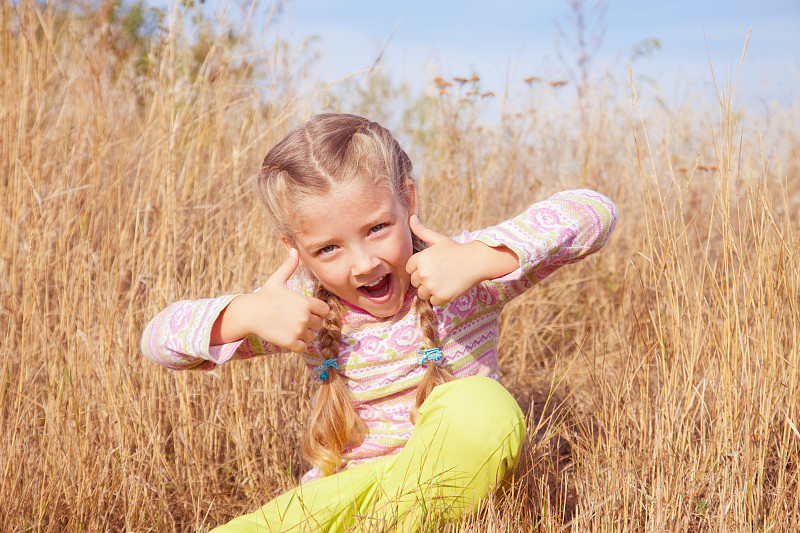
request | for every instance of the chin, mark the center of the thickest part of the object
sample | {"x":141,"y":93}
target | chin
{"x":384,"y":311}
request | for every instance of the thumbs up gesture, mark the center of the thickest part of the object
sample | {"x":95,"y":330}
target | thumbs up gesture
{"x":287,"y":318}
{"x":275,"y":313}
{"x":448,"y":269}
{"x":441,"y":273}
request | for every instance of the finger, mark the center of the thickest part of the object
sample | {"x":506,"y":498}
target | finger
{"x":415,"y":279}
{"x":314,"y":323}
{"x":307,"y":336}
{"x":297,"y":346}
{"x":319,"y":308}
{"x":411,"y":266}
{"x":287,"y":268}
{"x":425,"y":233}
{"x":423,"y":293}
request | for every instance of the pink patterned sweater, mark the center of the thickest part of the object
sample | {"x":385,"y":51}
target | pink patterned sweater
{"x":378,"y":357}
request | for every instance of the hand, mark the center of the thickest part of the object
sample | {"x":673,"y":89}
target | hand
{"x":275,"y":313}
{"x":441,"y":273}
{"x":448,"y":269}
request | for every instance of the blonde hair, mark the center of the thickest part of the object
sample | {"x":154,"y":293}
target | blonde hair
{"x":328,"y":151}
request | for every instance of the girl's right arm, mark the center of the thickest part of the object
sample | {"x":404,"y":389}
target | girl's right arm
{"x":274,"y":313}
{"x":204,"y":333}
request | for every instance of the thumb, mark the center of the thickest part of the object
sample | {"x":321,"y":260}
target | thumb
{"x":287,"y":268}
{"x":424,"y":232}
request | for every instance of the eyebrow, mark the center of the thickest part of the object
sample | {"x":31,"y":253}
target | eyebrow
{"x":316,"y":244}
{"x":379,"y":218}
{"x":384,"y":214}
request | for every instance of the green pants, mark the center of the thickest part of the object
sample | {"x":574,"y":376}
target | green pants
{"x":467,"y":437}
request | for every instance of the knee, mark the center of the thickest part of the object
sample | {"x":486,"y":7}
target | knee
{"x":481,"y":414}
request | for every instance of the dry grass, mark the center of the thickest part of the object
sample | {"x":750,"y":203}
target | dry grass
{"x":662,"y":376}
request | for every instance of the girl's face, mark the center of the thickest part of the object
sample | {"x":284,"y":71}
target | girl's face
{"x":356,"y":240}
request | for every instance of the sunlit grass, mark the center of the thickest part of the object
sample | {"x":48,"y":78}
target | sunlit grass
{"x":661,"y":376}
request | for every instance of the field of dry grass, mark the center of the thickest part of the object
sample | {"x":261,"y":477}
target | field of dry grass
{"x":661,"y":376}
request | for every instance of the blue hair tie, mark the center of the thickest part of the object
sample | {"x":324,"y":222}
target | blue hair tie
{"x":323,"y":368}
{"x":431,"y":354}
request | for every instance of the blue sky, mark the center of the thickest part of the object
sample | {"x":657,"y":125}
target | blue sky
{"x":514,"y":39}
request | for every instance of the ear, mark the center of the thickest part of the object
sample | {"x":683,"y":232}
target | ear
{"x":411,"y":196}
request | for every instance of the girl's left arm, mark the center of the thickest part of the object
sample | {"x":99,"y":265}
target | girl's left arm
{"x":447,"y":269}
{"x":563,"y":229}
{"x":515,"y":254}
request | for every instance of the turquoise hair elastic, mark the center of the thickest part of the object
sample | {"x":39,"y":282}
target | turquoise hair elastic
{"x":323,"y":368}
{"x":431,"y":354}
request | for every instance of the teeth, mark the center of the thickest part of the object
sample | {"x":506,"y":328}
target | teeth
{"x":374,"y":282}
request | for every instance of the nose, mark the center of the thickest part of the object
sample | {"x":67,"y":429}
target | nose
{"x":364,"y":261}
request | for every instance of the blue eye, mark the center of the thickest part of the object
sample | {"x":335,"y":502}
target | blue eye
{"x":326,"y":250}
{"x":376,"y":228}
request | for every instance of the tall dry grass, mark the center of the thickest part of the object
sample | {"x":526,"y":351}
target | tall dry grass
{"x":661,"y":377}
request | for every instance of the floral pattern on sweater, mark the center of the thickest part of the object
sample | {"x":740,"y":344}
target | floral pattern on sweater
{"x":378,"y":357}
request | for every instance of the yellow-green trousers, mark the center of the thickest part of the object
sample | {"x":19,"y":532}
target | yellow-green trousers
{"x":467,"y":437}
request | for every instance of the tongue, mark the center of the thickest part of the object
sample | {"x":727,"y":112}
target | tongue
{"x":376,"y":291}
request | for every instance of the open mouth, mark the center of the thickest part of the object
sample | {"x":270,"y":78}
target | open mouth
{"x":378,"y":288}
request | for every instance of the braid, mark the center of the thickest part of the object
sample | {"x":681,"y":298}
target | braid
{"x":334,"y":423}
{"x":427,"y":323}
{"x":434,"y":374}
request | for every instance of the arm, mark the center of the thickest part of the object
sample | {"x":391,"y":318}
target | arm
{"x":179,"y":336}
{"x":204,"y":333}
{"x":448,"y":269}
{"x":516,"y":253}
{"x":563,"y":229}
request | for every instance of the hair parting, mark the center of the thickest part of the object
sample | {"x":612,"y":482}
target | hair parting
{"x":326,"y":152}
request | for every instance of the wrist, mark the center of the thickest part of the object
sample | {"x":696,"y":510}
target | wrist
{"x":232,"y":323}
{"x":494,"y":261}
{"x":246,"y":306}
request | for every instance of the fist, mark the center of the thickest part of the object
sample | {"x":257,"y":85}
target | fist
{"x":441,"y":273}
{"x":284,"y":317}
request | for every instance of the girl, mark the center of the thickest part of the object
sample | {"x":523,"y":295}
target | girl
{"x":396,"y":322}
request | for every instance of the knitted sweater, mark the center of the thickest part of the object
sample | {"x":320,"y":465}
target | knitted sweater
{"x":378,"y":357}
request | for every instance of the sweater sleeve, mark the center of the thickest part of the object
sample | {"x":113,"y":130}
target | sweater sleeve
{"x":179,"y":337}
{"x":563,"y":229}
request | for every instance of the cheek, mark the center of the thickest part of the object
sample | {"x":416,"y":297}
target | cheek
{"x":403,"y":249}
{"x":335,"y":275}
{"x":327,"y":273}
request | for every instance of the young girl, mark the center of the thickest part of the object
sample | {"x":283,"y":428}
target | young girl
{"x":396,"y":322}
